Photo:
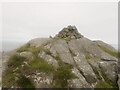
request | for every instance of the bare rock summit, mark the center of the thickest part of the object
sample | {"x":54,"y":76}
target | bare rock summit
{"x":69,"y":32}
{"x":68,"y":60}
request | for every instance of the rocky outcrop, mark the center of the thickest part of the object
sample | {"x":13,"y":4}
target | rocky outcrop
{"x":69,"y":32}
{"x":67,"y":60}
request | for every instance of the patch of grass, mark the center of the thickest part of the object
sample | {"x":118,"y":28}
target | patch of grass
{"x":34,"y":50}
{"x":15,"y":61}
{"x":103,"y":84}
{"x":41,"y":65}
{"x":8,"y":80}
{"x":23,"y":48}
{"x":62,"y":75}
{"x":115,"y":54}
{"x":25,"y":83}
{"x":88,"y":56}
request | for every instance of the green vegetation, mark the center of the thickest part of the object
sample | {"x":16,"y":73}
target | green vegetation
{"x":25,"y":83}
{"x":88,"y":56}
{"x":62,"y":75}
{"x":16,"y":71}
{"x":115,"y":54}
{"x":40,"y":65}
{"x":34,"y":50}
{"x":103,"y":84}
{"x":23,"y":48}
{"x":15,"y":61}
{"x":8,"y":80}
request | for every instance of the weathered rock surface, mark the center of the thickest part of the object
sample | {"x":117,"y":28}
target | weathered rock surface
{"x":69,"y":32}
{"x":110,"y":70}
{"x":27,"y":55}
{"x":67,"y":59}
{"x":38,"y":42}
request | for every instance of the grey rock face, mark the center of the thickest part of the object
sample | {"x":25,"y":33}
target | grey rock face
{"x":86,"y":69}
{"x":61,"y":47}
{"x":38,"y":42}
{"x":109,"y":69}
{"x":49,"y":59}
{"x":84,"y":59}
{"x":80,"y":82}
{"x":107,"y":57}
{"x":41,"y":79}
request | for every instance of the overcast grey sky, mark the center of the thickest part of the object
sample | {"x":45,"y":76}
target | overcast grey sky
{"x":22,"y":22}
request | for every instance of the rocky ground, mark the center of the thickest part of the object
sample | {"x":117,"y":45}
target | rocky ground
{"x":68,"y":60}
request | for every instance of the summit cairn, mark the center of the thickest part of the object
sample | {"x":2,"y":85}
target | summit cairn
{"x":70,"y":32}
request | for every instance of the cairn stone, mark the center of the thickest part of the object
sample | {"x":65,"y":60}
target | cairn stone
{"x":70,"y":32}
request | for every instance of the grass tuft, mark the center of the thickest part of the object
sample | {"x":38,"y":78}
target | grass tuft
{"x":88,"y":56}
{"x":41,"y":65}
{"x":103,"y":84}
{"x":25,"y":83}
{"x":62,"y":75}
{"x":15,"y":61}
